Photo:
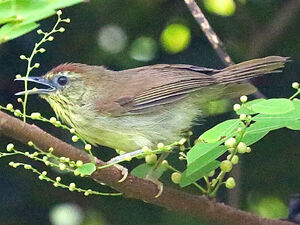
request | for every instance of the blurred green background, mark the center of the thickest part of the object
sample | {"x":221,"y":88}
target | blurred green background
{"x":123,"y":34}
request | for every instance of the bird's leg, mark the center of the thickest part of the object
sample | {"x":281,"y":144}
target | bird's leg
{"x":153,"y":178}
{"x":120,"y":158}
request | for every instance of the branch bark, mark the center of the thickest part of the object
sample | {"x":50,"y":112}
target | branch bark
{"x":134,"y":187}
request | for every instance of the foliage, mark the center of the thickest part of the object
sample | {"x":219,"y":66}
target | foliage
{"x":19,"y":17}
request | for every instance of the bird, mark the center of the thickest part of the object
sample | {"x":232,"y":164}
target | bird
{"x":144,"y":106}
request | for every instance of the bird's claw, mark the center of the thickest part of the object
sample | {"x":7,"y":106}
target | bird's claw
{"x":159,"y":184}
{"x":124,"y":172}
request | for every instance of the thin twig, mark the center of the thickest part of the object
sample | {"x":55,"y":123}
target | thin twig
{"x":209,"y":32}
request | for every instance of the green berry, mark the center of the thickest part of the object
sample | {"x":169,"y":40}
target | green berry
{"x":226,"y":166}
{"x":87,"y":147}
{"x":10,"y":147}
{"x":27,"y":167}
{"x":35,"y":115}
{"x":79,"y":163}
{"x":295,"y":85}
{"x":236,"y":107}
{"x":151,"y":159}
{"x":75,"y":138}
{"x":235,"y":160}
{"x":62,"y":166}
{"x":10,"y":107}
{"x":230,"y":143}
{"x":241,"y":148}
{"x":243,"y":116}
{"x":176,"y":177}
{"x":243,"y":99}
{"x":230,"y":183}
{"x":17,"y":112}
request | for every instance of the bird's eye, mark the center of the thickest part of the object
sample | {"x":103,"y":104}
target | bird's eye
{"x":62,"y":80}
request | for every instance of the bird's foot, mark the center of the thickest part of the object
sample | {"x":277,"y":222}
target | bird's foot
{"x":160,"y":185}
{"x":124,"y":172}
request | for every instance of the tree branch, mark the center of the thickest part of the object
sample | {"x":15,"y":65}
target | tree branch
{"x":134,"y":187}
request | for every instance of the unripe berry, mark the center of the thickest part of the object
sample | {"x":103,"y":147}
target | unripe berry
{"x":59,"y":12}
{"x":79,"y":163}
{"x":62,"y":166}
{"x":52,"y":120}
{"x":243,"y":99}
{"x":165,"y":163}
{"x":236,"y":107}
{"x":75,"y":138}
{"x":230,"y":143}
{"x":39,"y":31}
{"x":35,"y":115}
{"x":10,"y":147}
{"x":17,"y":112}
{"x":58,"y":179}
{"x":9,"y":107}
{"x":27,"y":167}
{"x":226,"y":166}
{"x":22,"y":57}
{"x":50,"y":38}
{"x":160,"y":145}
{"x":176,"y":177}
{"x":295,"y":85}
{"x":62,"y":29}
{"x":87,"y":147}
{"x":72,"y":186}
{"x":151,"y":158}
{"x":243,"y":116}
{"x":145,"y":149}
{"x":230,"y":183}
{"x":42,"y":50}
{"x":235,"y":160}
{"x":248,"y":150}
{"x":241,"y":148}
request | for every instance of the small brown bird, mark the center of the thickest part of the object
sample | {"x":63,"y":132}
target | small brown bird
{"x":138,"y":107}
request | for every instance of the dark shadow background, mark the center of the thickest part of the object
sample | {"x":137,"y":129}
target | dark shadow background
{"x":269,"y":175}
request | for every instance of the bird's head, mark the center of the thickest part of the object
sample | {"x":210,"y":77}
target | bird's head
{"x":66,"y":85}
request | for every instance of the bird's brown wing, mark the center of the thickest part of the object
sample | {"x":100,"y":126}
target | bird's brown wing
{"x":151,"y":86}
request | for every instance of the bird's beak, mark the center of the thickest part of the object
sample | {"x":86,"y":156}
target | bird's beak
{"x":38,"y":80}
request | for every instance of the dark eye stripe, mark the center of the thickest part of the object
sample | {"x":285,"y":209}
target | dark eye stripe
{"x":62,"y":80}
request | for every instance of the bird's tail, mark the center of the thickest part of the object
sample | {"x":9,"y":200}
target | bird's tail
{"x":250,"y":69}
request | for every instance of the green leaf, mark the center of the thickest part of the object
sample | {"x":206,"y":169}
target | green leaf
{"x":273,"y":106}
{"x":187,"y":180}
{"x":250,"y":138}
{"x":200,"y":149}
{"x":294,"y":125}
{"x":13,"y":30}
{"x":7,"y":10}
{"x":87,"y":168}
{"x":205,"y":159}
{"x":246,"y":108}
{"x":287,"y":117}
{"x":225,"y":129}
{"x":144,"y":169}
